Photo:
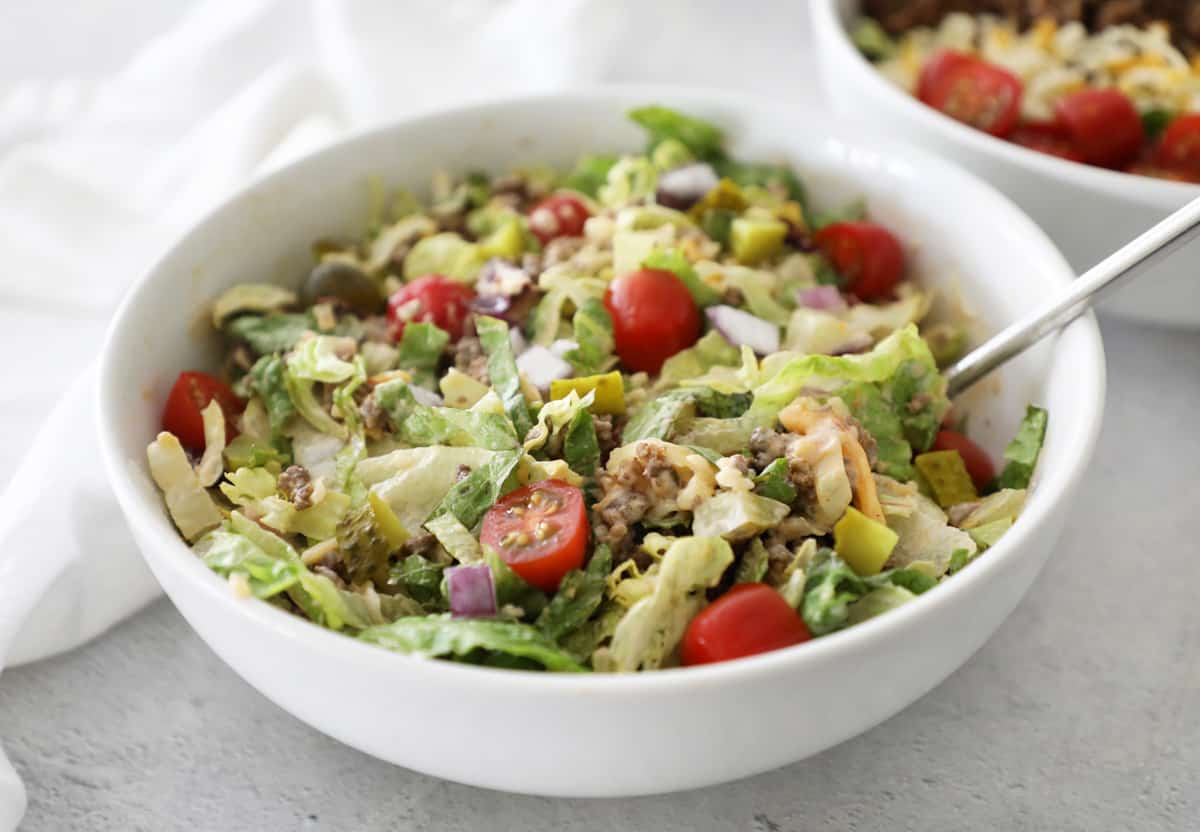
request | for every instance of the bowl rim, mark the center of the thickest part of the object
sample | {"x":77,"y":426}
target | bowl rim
{"x":829,"y":28}
{"x":169,"y":551}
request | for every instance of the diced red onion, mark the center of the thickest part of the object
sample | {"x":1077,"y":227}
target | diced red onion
{"x":426,"y":396}
{"x":827,"y":298}
{"x":499,"y":277}
{"x":472,"y":591}
{"x":541,"y":366}
{"x":493,"y":305}
{"x":563,"y":346}
{"x":683,"y":187}
{"x":743,"y":329}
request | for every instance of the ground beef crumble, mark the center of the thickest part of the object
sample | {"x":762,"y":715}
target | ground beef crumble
{"x":295,"y":483}
{"x":469,"y":358}
{"x":640,"y":483}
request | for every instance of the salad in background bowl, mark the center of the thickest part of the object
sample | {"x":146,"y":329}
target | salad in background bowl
{"x":1071,"y":110}
{"x":276,"y":526}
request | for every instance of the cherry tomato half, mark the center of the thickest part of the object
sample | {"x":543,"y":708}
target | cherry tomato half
{"x":972,"y":91}
{"x":1047,"y":137}
{"x":560,"y":215}
{"x":435,"y":298}
{"x":979,"y":464}
{"x":1180,"y":147}
{"x":540,"y":530}
{"x":654,"y":317}
{"x":866,"y":255}
{"x":190,"y":394}
{"x":1103,"y":125}
{"x":748,"y":619}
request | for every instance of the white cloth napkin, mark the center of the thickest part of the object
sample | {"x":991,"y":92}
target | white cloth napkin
{"x":100,"y":172}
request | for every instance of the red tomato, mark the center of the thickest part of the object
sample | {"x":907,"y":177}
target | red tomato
{"x":431,"y":298}
{"x":540,"y":530}
{"x":654,"y":317}
{"x":972,"y":91}
{"x":866,"y":255}
{"x":1180,"y":147}
{"x":190,"y":394}
{"x":1047,"y":137}
{"x":979,"y":464}
{"x":1103,"y":125}
{"x":748,"y":619}
{"x":560,"y":215}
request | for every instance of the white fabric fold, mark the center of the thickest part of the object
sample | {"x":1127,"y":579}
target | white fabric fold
{"x":99,"y":173}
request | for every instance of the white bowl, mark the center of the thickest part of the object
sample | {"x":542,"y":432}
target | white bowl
{"x":1087,"y":211}
{"x":599,"y":735}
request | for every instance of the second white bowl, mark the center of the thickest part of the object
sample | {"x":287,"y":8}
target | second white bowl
{"x":1088,"y":211}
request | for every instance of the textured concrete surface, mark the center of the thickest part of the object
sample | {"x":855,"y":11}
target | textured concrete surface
{"x":1081,"y":714}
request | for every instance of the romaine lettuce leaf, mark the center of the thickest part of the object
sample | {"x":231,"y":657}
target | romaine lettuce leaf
{"x":267,"y":334}
{"x":268,"y":379}
{"x":454,"y":537}
{"x":581,"y":446}
{"x":250,"y":297}
{"x":502,"y":370}
{"x":417,"y":424}
{"x":650,"y":632}
{"x":752,"y":567}
{"x":421,"y":349}
{"x":191,"y":507}
{"x":831,"y":589}
{"x":592,"y":330}
{"x":316,"y":359}
{"x":248,"y":485}
{"x":710,"y":351}
{"x":419,"y":578}
{"x":415,"y":481}
{"x":556,"y":415}
{"x":589,"y":174}
{"x":672,"y":260}
{"x":924,"y":530}
{"x":579,"y":595}
{"x":902,"y":362}
{"x":702,"y":138}
{"x":775,"y":483}
{"x":475,"y":640}
{"x":470,"y":498}
{"x":228,"y":553}
{"x":737,"y":515}
{"x":1022,"y":453}
{"x":511,"y":589}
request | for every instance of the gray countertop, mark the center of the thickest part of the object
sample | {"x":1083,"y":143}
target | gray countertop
{"x":1080,"y":714}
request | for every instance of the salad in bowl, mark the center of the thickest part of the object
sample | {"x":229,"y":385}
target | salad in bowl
{"x":651,"y":410}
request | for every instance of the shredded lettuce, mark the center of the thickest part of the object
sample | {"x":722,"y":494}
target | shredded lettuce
{"x":832,"y":588}
{"x":578,"y":597}
{"x":485,"y":425}
{"x":752,"y":567}
{"x":471,"y":497}
{"x":502,"y":370}
{"x":420,"y":579}
{"x":1022,"y":453}
{"x":211,"y":464}
{"x":248,"y":485}
{"x":775,"y":483}
{"x":268,"y":378}
{"x":672,"y":260}
{"x":420,"y":350}
{"x":511,"y":589}
{"x":189,"y":504}
{"x":592,"y":330}
{"x":737,"y":515}
{"x":228,"y":553}
{"x":454,"y":537}
{"x":446,"y":254}
{"x":923,"y":528}
{"x":556,"y":415}
{"x":710,"y":351}
{"x":650,"y":632}
{"x":415,"y":481}
{"x":266,"y":334}
{"x":316,"y":359}
{"x":590,"y":174}
{"x":250,"y":297}
{"x":702,"y":138}
{"x":494,"y":642}
{"x":631,"y":178}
